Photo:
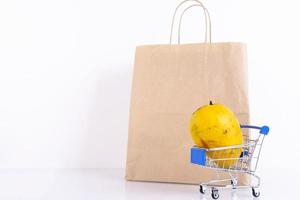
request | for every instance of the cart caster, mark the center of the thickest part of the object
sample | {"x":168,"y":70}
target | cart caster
{"x":202,"y":189}
{"x":255,"y":192}
{"x":233,"y":183}
{"x":215,"y":193}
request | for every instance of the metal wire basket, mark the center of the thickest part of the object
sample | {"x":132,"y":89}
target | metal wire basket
{"x":232,"y":160}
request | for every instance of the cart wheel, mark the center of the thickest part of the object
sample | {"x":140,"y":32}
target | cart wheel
{"x":202,"y":189}
{"x":233,"y":184}
{"x":215,"y":193}
{"x":255,"y":192}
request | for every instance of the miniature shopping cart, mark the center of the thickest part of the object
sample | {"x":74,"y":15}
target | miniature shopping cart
{"x":246,"y":162}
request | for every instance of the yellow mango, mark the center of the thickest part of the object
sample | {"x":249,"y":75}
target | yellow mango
{"x":215,"y":125}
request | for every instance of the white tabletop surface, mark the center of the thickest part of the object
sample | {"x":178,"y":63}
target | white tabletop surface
{"x":109,"y":184}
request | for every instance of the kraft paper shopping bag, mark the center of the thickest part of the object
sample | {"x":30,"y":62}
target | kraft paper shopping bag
{"x":170,"y":82}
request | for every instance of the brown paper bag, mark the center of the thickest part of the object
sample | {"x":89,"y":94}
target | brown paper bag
{"x":169,"y":83}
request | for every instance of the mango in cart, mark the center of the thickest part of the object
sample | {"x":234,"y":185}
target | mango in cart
{"x":215,"y":125}
{"x":220,"y":145}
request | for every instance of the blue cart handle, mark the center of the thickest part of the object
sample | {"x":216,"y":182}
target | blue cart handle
{"x":262,"y":130}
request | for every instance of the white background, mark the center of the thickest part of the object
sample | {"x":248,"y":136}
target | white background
{"x":66,"y":69}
